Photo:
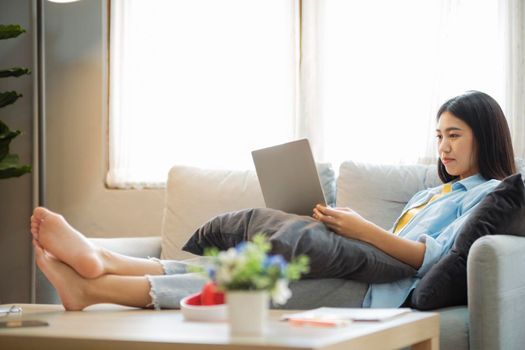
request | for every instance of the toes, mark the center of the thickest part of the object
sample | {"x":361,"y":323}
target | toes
{"x":34,"y":222}
{"x":34,"y":230}
{"x":39,"y":255}
{"x":40,"y":213}
{"x":39,"y":251}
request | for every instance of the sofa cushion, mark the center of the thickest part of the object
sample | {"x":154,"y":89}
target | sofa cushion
{"x":194,"y":195}
{"x":327,"y":292}
{"x":331,"y":255}
{"x":501,"y":212}
{"x":380,"y":192}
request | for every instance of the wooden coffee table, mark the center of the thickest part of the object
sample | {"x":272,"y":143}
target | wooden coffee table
{"x":114,"y":327}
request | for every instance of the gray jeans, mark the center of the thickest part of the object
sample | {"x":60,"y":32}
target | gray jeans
{"x":177,"y":282}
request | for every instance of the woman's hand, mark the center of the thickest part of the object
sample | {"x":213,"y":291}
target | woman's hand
{"x":343,"y":221}
{"x":346,"y":222}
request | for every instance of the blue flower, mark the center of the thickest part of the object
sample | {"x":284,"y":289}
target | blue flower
{"x":275,"y":260}
{"x":212,"y":272}
{"x":241,"y":247}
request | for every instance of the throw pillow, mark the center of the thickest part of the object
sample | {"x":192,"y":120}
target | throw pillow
{"x":331,"y":255}
{"x":501,"y":212}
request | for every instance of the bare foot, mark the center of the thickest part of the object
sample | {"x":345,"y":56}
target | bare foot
{"x":71,"y":287}
{"x":53,"y":233}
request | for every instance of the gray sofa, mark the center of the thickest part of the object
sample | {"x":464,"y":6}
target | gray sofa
{"x":494,"y":317}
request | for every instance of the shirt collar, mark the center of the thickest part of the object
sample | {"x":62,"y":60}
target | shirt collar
{"x":469,"y":183}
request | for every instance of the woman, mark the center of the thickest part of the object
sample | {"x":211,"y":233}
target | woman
{"x":475,"y":152}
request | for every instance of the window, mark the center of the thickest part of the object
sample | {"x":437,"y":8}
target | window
{"x":204,"y":82}
{"x":198,"y":82}
{"x":385,"y":68}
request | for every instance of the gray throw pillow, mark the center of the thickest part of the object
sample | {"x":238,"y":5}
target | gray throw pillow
{"x":331,"y":255}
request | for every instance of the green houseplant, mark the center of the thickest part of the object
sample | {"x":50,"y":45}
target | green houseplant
{"x":248,"y":274}
{"x":249,"y":267}
{"x":9,"y":163}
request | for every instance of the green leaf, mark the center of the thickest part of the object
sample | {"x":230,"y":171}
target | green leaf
{"x":211,"y":251}
{"x":297,"y":267}
{"x":4,"y":149}
{"x":6,"y":136}
{"x":10,"y":161}
{"x":3,"y":127}
{"x":9,"y":97}
{"x":9,"y":167}
{"x":10,"y":31}
{"x":14,"y":72}
{"x":261,"y":241}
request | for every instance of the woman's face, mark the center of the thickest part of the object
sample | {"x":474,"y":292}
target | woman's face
{"x":456,"y":146}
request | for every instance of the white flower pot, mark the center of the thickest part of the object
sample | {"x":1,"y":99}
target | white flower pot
{"x":247,"y":312}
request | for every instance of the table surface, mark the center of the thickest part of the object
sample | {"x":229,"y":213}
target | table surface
{"x":109,"y":326}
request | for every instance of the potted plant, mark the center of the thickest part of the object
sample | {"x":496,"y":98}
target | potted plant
{"x":9,"y":163}
{"x":250,"y":277}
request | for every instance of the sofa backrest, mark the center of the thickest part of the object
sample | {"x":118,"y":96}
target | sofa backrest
{"x":195,"y":195}
{"x":380,"y":192}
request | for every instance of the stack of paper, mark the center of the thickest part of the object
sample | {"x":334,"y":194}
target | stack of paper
{"x":327,"y":314}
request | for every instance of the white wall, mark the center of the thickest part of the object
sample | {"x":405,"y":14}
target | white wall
{"x":77,"y":154}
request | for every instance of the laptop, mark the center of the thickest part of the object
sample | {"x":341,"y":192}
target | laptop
{"x":288,"y":177}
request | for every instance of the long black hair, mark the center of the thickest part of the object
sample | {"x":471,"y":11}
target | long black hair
{"x":493,"y":142}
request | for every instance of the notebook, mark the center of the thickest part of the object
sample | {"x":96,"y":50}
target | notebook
{"x":288,"y":177}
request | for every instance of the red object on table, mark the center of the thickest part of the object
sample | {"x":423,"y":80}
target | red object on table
{"x":211,"y":295}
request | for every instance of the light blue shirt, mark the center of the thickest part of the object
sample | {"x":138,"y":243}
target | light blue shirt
{"x":436,"y":225}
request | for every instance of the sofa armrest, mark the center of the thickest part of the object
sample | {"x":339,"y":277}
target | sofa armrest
{"x":496,"y":292}
{"x":139,"y":247}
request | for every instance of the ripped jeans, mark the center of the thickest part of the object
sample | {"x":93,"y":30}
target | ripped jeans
{"x":166,"y":291}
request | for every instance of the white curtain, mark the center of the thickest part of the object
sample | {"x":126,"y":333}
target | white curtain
{"x":198,"y":82}
{"x":513,"y":19}
{"x":385,"y":67}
